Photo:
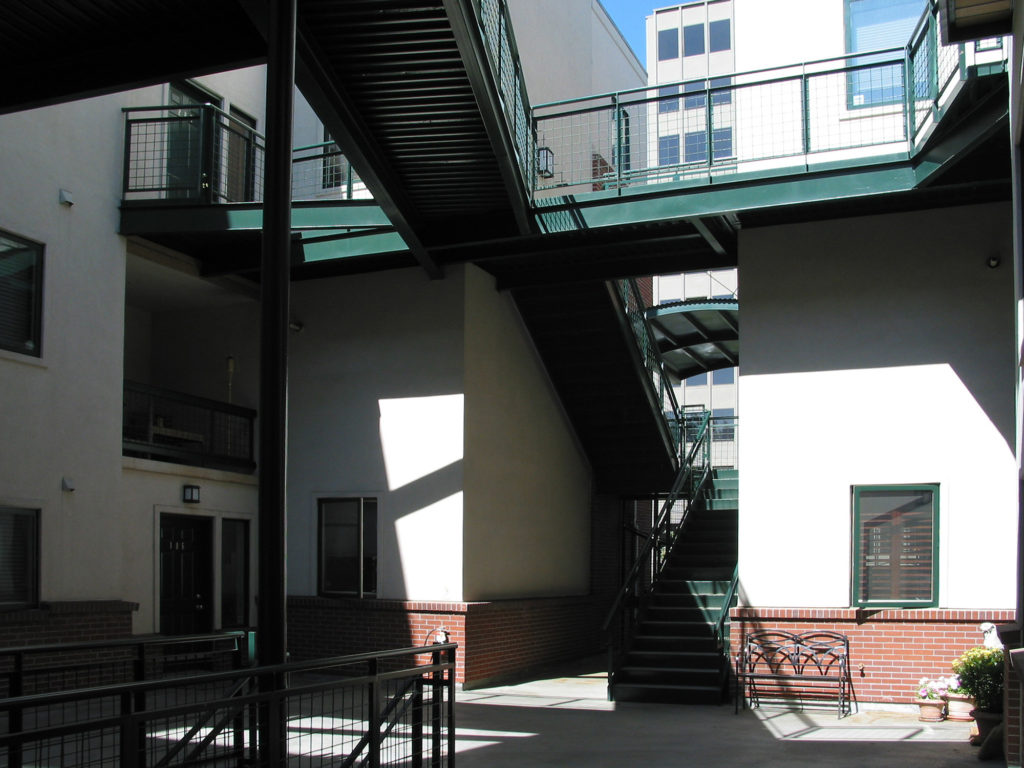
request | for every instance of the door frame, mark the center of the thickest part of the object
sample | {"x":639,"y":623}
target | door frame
{"x":216,"y":516}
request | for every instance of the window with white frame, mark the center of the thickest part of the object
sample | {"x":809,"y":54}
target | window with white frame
{"x":895,"y":545}
{"x":348,"y":546}
{"x":21,"y":294}
{"x":668,"y":44}
{"x":19,"y":557}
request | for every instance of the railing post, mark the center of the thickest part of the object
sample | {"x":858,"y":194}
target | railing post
{"x":618,"y":140}
{"x":129,"y":732}
{"x":452,"y":660}
{"x":15,"y":721}
{"x":207,"y":153}
{"x":710,"y":136}
{"x":126,"y":162}
{"x":909,"y":102}
{"x":436,"y":696}
{"x":373,"y":716}
{"x":417,"y":724}
{"x":805,"y":113}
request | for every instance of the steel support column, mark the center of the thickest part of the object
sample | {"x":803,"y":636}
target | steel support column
{"x":271,"y":637}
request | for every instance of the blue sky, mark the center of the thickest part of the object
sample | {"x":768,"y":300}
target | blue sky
{"x":629,"y":16}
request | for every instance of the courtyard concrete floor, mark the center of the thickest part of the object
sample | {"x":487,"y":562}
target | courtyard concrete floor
{"x":563,"y":719}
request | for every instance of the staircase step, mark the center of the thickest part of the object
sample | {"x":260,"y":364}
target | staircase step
{"x":669,"y":694}
{"x":668,"y":676}
{"x":679,"y":643}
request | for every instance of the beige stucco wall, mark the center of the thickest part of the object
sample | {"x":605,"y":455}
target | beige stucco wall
{"x":877,"y":350}
{"x":527,"y":482}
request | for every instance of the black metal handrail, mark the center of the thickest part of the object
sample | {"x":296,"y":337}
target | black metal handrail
{"x":368,"y":708}
{"x":689,"y":486}
{"x":185,"y":429}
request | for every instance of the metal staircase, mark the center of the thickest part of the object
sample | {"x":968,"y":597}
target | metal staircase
{"x":669,"y":627}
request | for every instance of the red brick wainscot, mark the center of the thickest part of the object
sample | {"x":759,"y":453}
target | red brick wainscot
{"x":497,"y":640}
{"x":67,"y":622}
{"x":890,"y":649}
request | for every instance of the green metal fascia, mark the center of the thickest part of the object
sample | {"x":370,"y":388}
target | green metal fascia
{"x":673,"y":202}
{"x":349,"y":245}
{"x":348,"y":214}
{"x":677,"y":309}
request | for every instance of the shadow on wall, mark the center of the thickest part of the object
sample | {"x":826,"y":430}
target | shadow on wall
{"x":884,"y":292}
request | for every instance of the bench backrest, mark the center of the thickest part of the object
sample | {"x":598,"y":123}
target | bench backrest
{"x":785,"y":653}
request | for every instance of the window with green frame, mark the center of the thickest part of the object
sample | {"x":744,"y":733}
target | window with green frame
{"x":895,"y":545}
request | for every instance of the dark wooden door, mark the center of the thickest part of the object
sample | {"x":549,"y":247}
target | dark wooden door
{"x":186,"y":575}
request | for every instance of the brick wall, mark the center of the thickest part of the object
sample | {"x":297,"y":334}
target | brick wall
{"x":497,"y":640}
{"x":890,"y":650}
{"x":67,"y":622}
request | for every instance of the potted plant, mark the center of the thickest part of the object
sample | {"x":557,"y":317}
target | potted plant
{"x":959,"y":703}
{"x":930,"y":701}
{"x":980,"y":671}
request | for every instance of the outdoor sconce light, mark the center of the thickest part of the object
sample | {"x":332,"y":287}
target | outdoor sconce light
{"x":190,"y":494}
{"x":545,"y":162}
{"x":993,"y":262}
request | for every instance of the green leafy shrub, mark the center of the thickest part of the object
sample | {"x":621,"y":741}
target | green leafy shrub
{"x":981,"y":676}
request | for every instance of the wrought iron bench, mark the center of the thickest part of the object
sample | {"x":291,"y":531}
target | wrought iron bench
{"x":811,"y":666}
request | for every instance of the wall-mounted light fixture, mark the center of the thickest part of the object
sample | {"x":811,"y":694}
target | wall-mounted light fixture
{"x":545,"y":162}
{"x":993,"y":261}
{"x":190,"y":494}
{"x":64,"y":197}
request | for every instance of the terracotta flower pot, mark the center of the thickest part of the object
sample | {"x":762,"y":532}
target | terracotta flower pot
{"x":959,"y":706}
{"x":931,"y":710}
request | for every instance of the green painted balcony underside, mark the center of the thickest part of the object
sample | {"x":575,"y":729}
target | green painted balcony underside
{"x":696,"y":336}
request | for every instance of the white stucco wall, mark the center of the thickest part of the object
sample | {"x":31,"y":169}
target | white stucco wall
{"x":877,"y":350}
{"x":571,"y":49}
{"x":527,"y":482}
{"x":60,"y":414}
{"x":375,"y":409}
{"x":152,"y":488}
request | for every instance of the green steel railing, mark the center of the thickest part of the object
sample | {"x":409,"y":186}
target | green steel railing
{"x":722,"y":641}
{"x":198,"y":153}
{"x":880,"y":103}
{"x":495,"y":26}
{"x":635,"y":309}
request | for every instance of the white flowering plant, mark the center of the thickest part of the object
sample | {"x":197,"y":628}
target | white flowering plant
{"x":932,"y":690}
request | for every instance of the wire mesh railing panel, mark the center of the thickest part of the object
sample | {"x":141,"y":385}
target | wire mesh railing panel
{"x":163,"y":147}
{"x":495,"y":26}
{"x":835,"y":122}
{"x":322,"y":172}
{"x":725,"y":442}
{"x":176,"y":427}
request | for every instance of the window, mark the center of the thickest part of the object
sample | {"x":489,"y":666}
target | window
{"x":348,"y":546}
{"x":696,"y":149}
{"x":668,"y":44}
{"x":873,"y":25}
{"x":723,"y":424}
{"x":721,"y":97}
{"x":698,"y":101}
{"x":721,"y":143}
{"x":698,"y":380}
{"x":724,"y":376}
{"x":895,"y":533}
{"x":19,"y":557}
{"x":719,"y":35}
{"x":693,"y":40}
{"x":668,"y":150}
{"x":21,"y":294}
{"x":668,"y":104}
